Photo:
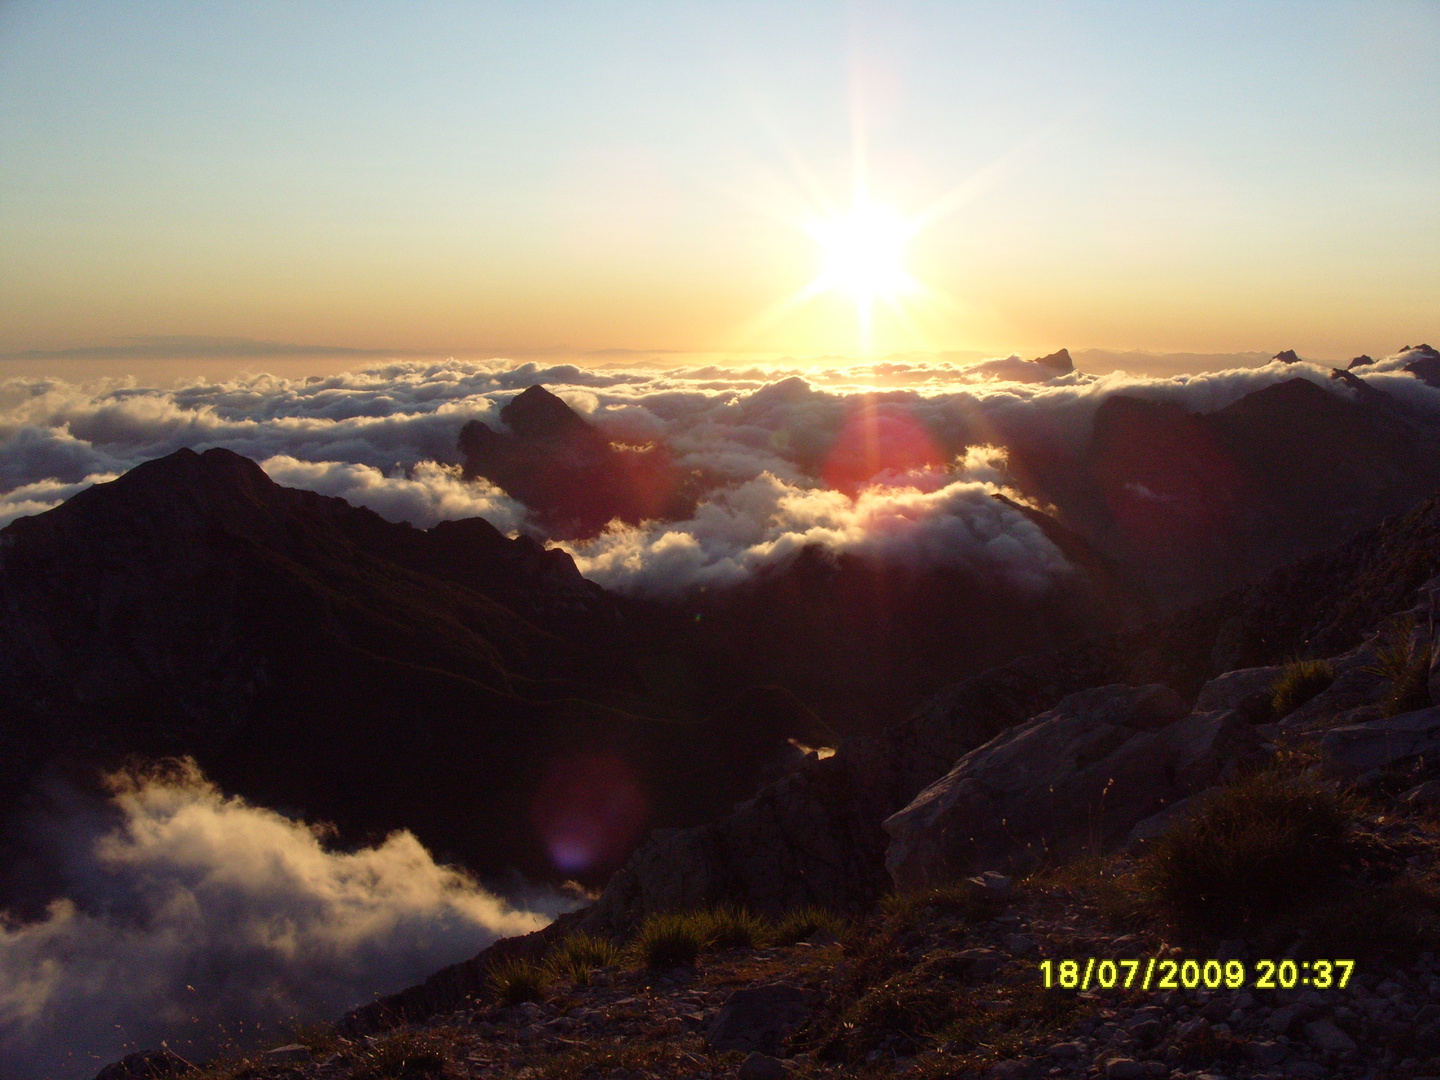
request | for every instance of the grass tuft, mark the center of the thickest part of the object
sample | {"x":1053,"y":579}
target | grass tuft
{"x":672,"y":939}
{"x":800,"y":924}
{"x":1406,"y":664}
{"x":728,"y":927}
{"x":1298,"y":682}
{"x":1265,"y":844}
{"x":512,"y":981}
{"x":578,"y":955}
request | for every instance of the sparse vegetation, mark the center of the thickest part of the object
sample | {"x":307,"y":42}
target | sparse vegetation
{"x":801,"y":923}
{"x":1299,"y":681}
{"x":578,"y":955}
{"x":672,"y":939}
{"x":1405,"y":662}
{"x":1268,"y":842}
{"x":732,"y":928}
{"x":906,"y":908}
{"x":405,"y":1055}
{"x":512,"y":981}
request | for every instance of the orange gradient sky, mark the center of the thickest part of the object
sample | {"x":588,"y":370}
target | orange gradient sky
{"x":518,"y":179}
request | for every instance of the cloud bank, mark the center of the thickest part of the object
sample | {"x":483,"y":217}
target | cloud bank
{"x":780,"y":454}
{"x":186,"y":914}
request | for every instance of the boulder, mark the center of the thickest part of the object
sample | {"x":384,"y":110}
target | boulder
{"x":758,"y":1019}
{"x":1081,"y":774}
{"x":1151,"y":827}
{"x":1246,"y":690}
{"x":1355,"y":749}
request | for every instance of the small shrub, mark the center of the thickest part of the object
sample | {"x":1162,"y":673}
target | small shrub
{"x":731,"y":928}
{"x":1406,"y":664}
{"x":673,"y":939}
{"x":911,"y":909}
{"x":799,"y":925}
{"x":512,"y":981}
{"x":1266,"y":843}
{"x":1298,"y":682}
{"x":579,"y":954}
{"x":404,"y":1056}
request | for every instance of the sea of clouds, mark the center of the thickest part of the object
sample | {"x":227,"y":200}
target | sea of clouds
{"x":198,"y":920}
{"x":385,"y":438}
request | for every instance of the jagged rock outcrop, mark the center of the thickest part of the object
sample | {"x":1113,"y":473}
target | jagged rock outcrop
{"x":1086,"y":771}
{"x":1286,"y":356}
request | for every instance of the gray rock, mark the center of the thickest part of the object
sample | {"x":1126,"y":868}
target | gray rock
{"x":1082,"y":773}
{"x":1307,"y":1070}
{"x":1426,"y":794}
{"x":1324,"y":1035}
{"x":760,"y":1066}
{"x":1014,"y":1069}
{"x":1180,"y":810}
{"x":1355,"y":749}
{"x":991,"y":885}
{"x":1237,"y":689}
{"x":758,"y":1018}
{"x":1356,"y":687}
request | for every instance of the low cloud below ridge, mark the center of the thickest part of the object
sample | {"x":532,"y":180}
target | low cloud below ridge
{"x":192,"y":918}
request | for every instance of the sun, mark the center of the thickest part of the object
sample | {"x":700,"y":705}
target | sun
{"x":862,"y":253}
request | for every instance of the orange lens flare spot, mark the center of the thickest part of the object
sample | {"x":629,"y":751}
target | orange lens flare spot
{"x":877,"y":442}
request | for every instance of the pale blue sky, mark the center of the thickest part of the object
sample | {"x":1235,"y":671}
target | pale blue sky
{"x":491,"y":177}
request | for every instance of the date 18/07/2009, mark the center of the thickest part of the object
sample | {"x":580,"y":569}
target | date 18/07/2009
{"x":1158,"y":974}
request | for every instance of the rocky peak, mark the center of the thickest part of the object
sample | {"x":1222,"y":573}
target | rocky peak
{"x":1060,"y":362}
{"x":1286,"y":356}
{"x":1363,"y":360}
{"x":539,"y":414}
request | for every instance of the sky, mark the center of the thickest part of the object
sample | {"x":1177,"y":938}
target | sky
{"x":643,"y":181}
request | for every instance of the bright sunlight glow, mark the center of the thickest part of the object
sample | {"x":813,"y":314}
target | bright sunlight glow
{"x":863,"y":252}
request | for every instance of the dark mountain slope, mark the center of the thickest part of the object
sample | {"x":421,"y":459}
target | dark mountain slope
{"x":1195,"y":503}
{"x":313,"y":656}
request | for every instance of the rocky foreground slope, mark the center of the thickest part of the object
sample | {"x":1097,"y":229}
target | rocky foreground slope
{"x":946,"y":976}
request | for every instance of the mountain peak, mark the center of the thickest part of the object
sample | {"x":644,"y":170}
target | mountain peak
{"x":1286,"y":356}
{"x":1059,"y":361}
{"x":538,"y":414}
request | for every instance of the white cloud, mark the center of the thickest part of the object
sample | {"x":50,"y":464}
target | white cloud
{"x":925,"y":519}
{"x":188,"y":914}
{"x":385,"y":437}
{"x":429,"y":494}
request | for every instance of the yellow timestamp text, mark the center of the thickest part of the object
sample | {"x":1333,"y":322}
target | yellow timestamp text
{"x":1157,"y":973}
